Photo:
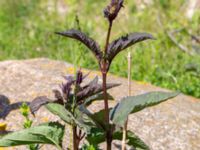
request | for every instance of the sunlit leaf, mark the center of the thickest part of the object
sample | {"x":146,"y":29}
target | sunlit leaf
{"x":60,"y":111}
{"x":81,"y":120}
{"x":50,"y":133}
{"x":132,"y":104}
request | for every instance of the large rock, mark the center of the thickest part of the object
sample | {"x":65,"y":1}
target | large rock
{"x":172,"y":125}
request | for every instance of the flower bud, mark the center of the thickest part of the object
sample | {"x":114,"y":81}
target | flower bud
{"x":79,"y":77}
{"x":112,"y":10}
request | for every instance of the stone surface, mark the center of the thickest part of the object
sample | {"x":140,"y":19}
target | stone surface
{"x":172,"y":125}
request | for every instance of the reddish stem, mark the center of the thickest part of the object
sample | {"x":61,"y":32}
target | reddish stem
{"x":104,"y":69}
{"x":75,"y":139}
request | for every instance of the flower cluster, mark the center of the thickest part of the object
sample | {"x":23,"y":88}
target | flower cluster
{"x":72,"y":81}
{"x":112,"y":10}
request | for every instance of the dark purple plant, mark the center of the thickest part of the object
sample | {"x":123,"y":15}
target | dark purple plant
{"x":70,"y":104}
{"x":106,"y":56}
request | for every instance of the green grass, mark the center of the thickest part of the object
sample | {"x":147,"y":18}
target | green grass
{"x":27,"y":31}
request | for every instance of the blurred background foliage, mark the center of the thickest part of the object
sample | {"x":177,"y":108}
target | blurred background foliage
{"x":172,"y":61}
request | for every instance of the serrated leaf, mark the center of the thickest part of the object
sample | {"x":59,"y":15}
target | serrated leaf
{"x":124,"y":42}
{"x":132,"y":104}
{"x":51,"y":133}
{"x":83,"y":38}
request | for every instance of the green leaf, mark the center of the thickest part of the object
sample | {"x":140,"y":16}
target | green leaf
{"x":97,"y":136}
{"x":60,"y":111}
{"x":132,"y":104}
{"x":133,"y":140}
{"x":50,"y":133}
{"x":84,"y":121}
{"x":96,"y":97}
{"x":100,"y":118}
{"x":98,"y":122}
{"x":80,"y":119}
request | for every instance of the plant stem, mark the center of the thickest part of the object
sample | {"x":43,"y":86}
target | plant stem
{"x":75,"y":140}
{"x":108,"y":37}
{"x":108,"y":133}
{"x":104,"y":75}
{"x":74,"y":127}
{"x":104,"y":70}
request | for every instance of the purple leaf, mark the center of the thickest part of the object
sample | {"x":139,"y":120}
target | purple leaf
{"x":38,"y":102}
{"x":59,"y":97}
{"x":66,"y":89}
{"x":124,"y":42}
{"x":79,"y":77}
{"x":82,"y":37}
{"x":93,"y":88}
{"x":69,"y":78}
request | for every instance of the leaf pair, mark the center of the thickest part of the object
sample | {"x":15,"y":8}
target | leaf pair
{"x":113,"y":48}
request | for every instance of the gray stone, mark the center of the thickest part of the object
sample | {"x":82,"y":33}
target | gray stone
{"x":172,"y":125}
